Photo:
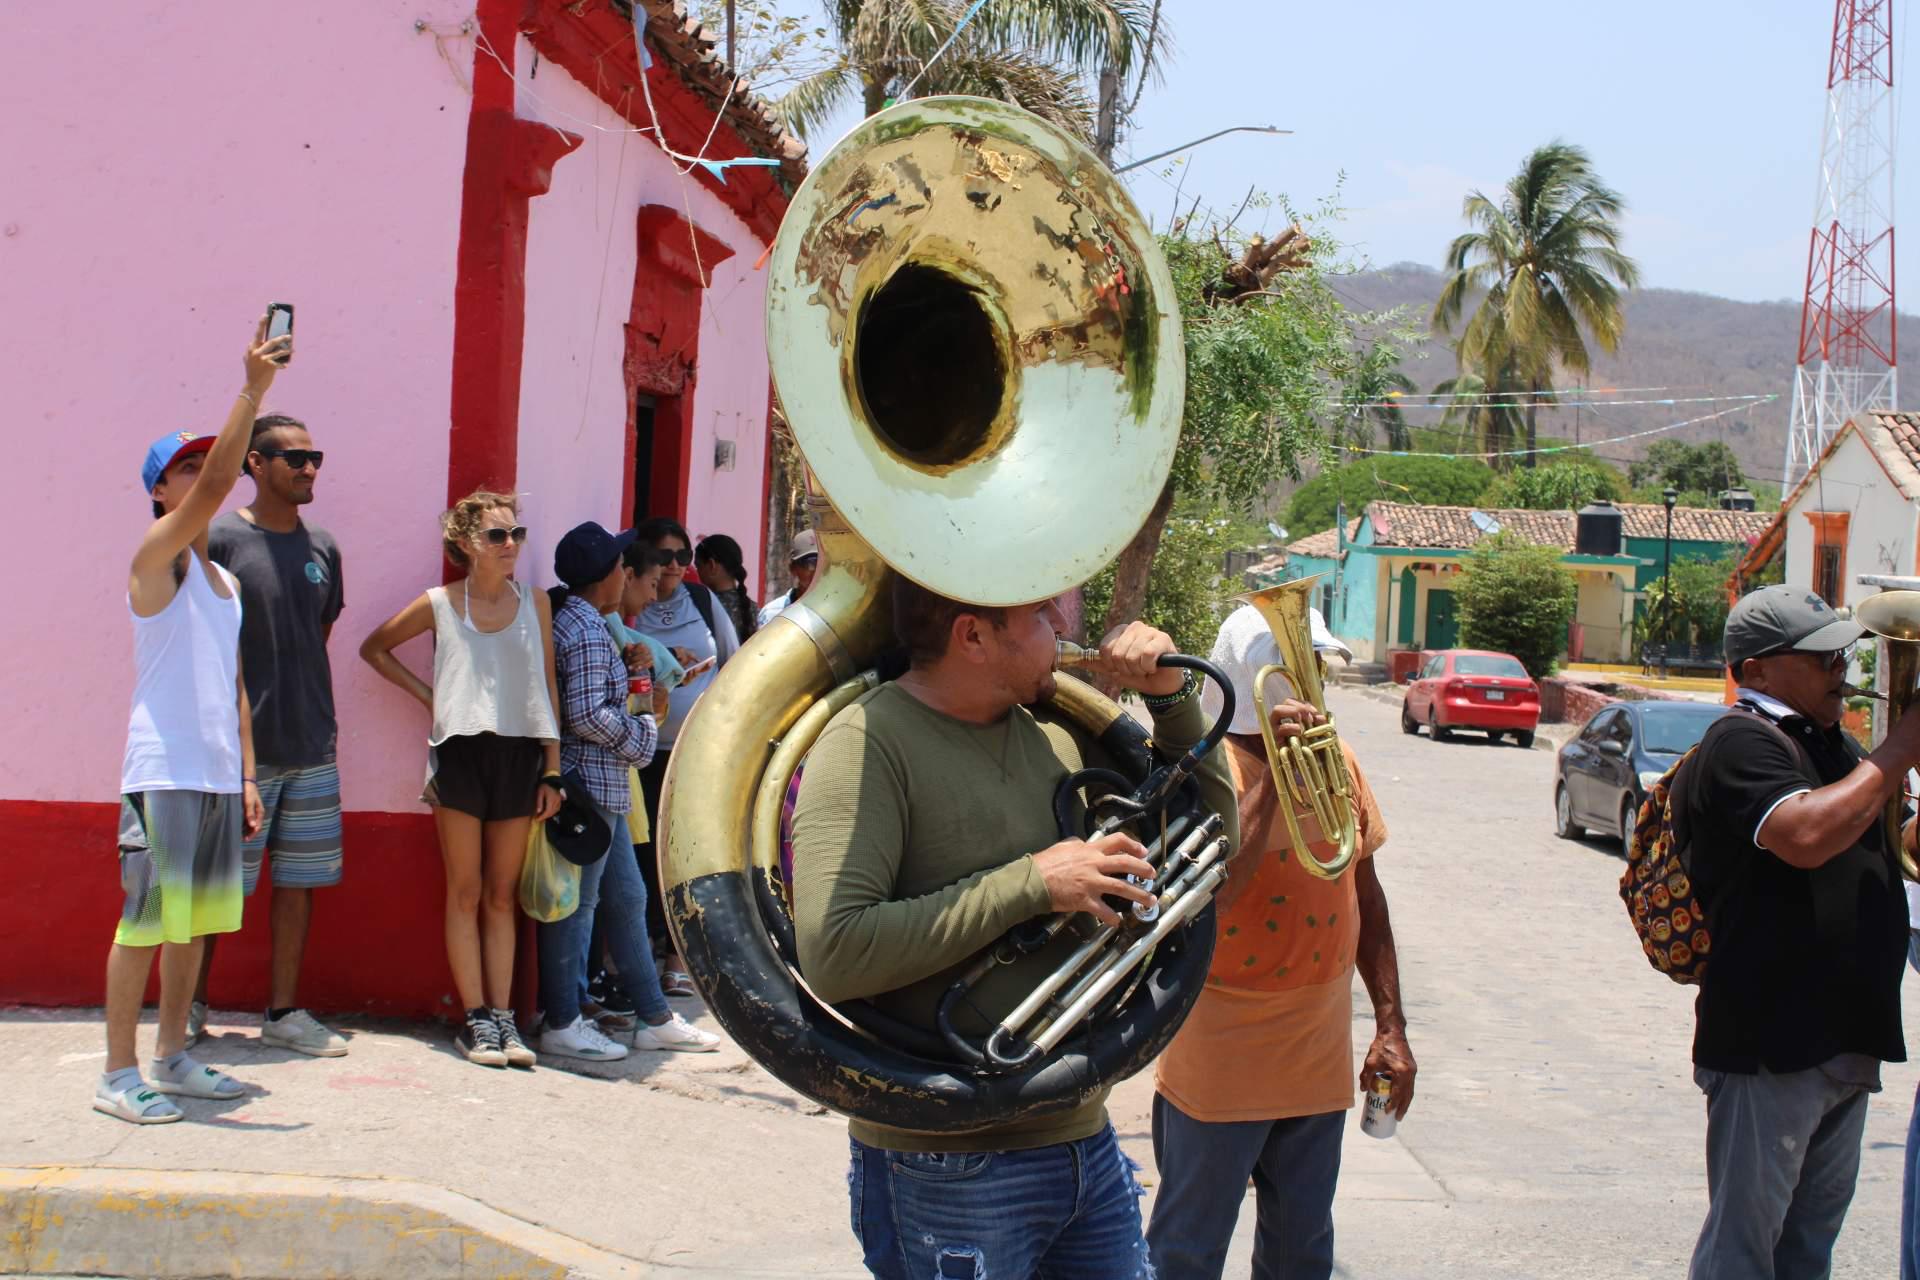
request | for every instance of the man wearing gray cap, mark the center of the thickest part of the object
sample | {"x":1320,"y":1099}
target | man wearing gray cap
{"x":1778,"y":813}
{"x":803,"y":558}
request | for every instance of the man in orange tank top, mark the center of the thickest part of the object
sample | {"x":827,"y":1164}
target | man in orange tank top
{"x":1258,"y":1081}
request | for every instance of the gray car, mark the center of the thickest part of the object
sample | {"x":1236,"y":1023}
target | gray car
{"x":1601,"y":777}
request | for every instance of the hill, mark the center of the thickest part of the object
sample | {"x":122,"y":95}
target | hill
{"x":1692,"y":344}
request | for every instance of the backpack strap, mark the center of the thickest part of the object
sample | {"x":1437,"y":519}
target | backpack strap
{"x":703,"y":603}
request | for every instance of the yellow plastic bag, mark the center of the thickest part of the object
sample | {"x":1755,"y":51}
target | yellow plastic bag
{"x":549,"y":884}
{"x":637,"y":813}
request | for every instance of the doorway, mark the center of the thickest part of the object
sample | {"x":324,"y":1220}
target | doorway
{"x":642,"y":455}
{"x":1443,"y":632}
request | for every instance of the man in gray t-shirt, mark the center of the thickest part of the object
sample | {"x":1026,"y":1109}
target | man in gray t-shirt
{"x":290,"y":592}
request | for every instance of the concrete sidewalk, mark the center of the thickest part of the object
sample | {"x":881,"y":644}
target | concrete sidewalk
{"x":675,"y":1165}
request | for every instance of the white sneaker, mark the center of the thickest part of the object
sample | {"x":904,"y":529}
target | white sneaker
{"x":677,"y":1035}
{"x":301,"y":1032}
{"x":580,"y":1039}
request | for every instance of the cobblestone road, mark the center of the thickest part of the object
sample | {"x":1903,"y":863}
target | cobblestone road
{"x":1557,"y":1122}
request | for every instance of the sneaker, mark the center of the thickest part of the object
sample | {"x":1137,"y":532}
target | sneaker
{"x":479,"y":1039}
{"x":301,"y":1032}
{"x":518,"y":1055}
{"x":196,"y":1023}
{"x":606,"y":992}
{"x":580,"y":1039}
{"x":138,"y":1103}
{"x":677,"y":1035}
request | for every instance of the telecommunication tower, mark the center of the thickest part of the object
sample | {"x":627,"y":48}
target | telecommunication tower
{"x":1848,"y":325}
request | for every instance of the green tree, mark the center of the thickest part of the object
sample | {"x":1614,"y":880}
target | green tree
{"x":1491,"y":419}
{"x":1432,"y":481}
{"x":1273,"y":358}
{"x":1186,"y":591}
{"x":1546,"y":256}
{"x":1705,"y":468}
{"x":1035,"y":54}
{"x":1565,"y":485}
{"x":1698,"y":613}
{"x":1516,"y":598}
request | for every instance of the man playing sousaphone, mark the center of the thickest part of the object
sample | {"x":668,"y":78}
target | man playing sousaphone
{"x":1258,"y":1080}
{"x":924,"y":831}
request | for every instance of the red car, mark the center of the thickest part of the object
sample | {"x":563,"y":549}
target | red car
{"x":1472,"y":689}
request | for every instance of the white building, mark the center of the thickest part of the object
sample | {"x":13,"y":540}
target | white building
{"x":1857,"y":511}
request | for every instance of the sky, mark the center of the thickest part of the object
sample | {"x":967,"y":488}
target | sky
{"x":1705,"y":114}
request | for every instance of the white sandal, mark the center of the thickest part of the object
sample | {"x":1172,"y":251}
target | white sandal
{"x":198,"y":1081}
{"x":138,"y":1103}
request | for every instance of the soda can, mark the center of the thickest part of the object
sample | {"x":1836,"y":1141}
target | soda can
{"x":1378,"y":1120}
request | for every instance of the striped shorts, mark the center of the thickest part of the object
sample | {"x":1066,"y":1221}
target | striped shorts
{"x":301,"y":827}
{"x":179,"y":866}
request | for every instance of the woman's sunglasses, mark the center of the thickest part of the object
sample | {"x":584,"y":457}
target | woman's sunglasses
{"x":297,"y":459}
{"x":683,"y":556}
{"x":497,"y":536}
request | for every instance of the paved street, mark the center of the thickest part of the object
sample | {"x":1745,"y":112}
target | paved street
{"x":1556,"y":1133}
{"x":1556,"y":1109}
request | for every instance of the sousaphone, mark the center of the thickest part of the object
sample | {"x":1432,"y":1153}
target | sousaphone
{"x":978,"y":347}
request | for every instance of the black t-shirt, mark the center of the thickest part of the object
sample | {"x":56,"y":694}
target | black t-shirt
{"x":1805,"y":965}
{"x":290,"y":592}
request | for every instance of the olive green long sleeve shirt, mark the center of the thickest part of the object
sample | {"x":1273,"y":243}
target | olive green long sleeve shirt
{"x":912,"y":846}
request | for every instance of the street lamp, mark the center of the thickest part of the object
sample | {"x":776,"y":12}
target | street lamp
{"x":1669,"y":495}
{"x":1188,"y":146}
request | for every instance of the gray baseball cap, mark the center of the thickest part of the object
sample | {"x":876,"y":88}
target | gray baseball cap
{"x":1780,"y":618}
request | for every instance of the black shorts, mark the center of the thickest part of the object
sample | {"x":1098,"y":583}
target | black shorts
{"x":488,"y":777}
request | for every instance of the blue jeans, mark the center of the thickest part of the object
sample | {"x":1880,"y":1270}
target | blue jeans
{"x":615,"y":881}
{"x":1070,"y":1211}
{"x":1204,"y":1167}
{"x":1910,"y":1199}
{"x":1783,"y":1151}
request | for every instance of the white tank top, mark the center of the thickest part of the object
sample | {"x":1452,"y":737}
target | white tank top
{"x":489,"y":681}
{"x":184,"y":732}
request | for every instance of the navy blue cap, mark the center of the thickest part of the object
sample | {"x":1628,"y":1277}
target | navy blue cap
{"x":166,"y":451}
{"x":588,"y":553}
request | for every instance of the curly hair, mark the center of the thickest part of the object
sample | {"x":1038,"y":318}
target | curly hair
{"x":460,"y":522}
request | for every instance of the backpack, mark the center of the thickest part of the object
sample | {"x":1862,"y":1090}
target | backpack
{"x":1658,"y":892}
{"x":703,"y":605}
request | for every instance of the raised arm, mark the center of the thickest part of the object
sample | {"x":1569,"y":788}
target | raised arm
{"x":1812,"y":826}
{"x":377,"y":649}
{"x":150,"y":579}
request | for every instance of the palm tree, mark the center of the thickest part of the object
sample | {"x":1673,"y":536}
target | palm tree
{"x":1490,"y":419}
{"x":1032,"y":53}
{"x":1547,"y":257}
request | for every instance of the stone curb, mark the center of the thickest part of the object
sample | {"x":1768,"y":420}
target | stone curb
{"x":166,"y":1224}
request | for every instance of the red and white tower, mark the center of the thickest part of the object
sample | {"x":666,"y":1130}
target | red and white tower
{"x":1848,"y":325}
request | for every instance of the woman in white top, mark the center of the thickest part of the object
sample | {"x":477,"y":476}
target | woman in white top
{"x":494,"y":756}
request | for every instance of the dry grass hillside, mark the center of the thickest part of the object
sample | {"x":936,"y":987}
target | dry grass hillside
{"x":1693,"y":343}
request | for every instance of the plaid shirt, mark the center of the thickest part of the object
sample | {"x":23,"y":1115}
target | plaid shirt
{"x":597,"y":735}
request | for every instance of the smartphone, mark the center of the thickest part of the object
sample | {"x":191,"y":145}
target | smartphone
{"x":280,"y":325}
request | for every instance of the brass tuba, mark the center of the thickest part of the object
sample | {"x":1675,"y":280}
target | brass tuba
{"x":1310,"y":770}
{"x":1894,"y":616}
{"x":978,"y":347}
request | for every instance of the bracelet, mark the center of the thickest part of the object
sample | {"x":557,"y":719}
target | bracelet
{"x":553,"y":780}
{"x":245,"y":778}
{"x":1160,"y":702}
{"x":248,"y":397}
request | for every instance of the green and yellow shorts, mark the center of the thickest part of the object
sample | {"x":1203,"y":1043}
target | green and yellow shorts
{"x":180,"y":866}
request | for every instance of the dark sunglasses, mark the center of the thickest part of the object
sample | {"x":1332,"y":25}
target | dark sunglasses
{"x":297,"y":459}
{"x":683,"y":556}
{"x":498,"y":536}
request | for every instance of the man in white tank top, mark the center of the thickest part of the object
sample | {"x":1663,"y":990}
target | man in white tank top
{"x":186,"y":783}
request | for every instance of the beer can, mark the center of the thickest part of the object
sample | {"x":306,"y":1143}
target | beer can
{"x":1378,"y":1120}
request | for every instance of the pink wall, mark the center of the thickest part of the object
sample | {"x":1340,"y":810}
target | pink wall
{"x":169,"y":171}
{"x":581,"y":249}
